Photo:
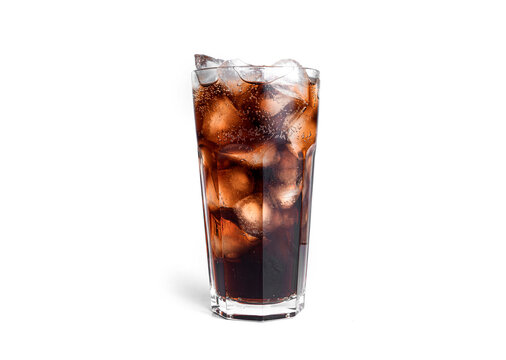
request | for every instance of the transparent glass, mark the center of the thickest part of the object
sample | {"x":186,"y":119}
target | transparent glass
{"x":256,"y":130}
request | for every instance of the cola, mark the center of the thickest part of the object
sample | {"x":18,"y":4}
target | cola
{"x":256,"y":131}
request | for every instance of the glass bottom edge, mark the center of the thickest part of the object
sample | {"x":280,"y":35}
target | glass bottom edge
{"x":232,"y":309}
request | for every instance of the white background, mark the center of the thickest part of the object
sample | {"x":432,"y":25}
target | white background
{"x":102,"y":252}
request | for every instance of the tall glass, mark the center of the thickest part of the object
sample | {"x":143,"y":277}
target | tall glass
{"x":256,"y":130}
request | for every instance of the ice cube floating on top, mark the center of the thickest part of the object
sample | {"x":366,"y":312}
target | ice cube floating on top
{"x":288,"y":71}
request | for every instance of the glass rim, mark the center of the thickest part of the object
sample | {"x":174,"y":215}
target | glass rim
{"x":317,"y":72}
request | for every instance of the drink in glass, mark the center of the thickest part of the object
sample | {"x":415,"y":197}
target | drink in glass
{"x":256,"y":130}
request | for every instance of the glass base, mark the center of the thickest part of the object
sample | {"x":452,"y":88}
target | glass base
{"x":232,"y":309}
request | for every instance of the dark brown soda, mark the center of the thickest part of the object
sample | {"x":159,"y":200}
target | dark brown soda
{"x":256,"y":150}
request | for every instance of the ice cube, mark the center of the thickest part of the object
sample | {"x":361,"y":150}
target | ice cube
{"x":205,"y":62}
{"x":254,"y":156}
{"x":220,"y":120}
{"x":258,"y":215}
{"x":260,"y":74}
{"x":289,"y":169}
{"x":207,"y":77}
{"x":286,"y":179}
{"x":233,"y":184}
{"x":230,"y":77}
{"x":284,"y":196}
{"x":302,"y":131}
{"x":276,"y":217}
{"x":279,"y":105}
{"x":295,"y":83}
{"x":273,"y":105}
{"x":207,"y":72}
{"x":228,"y":240}
{"x":250,"y":214}
{"x":313,"y":75}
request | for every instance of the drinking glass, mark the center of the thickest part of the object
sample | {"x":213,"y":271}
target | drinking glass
{"x":256,"y":130}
